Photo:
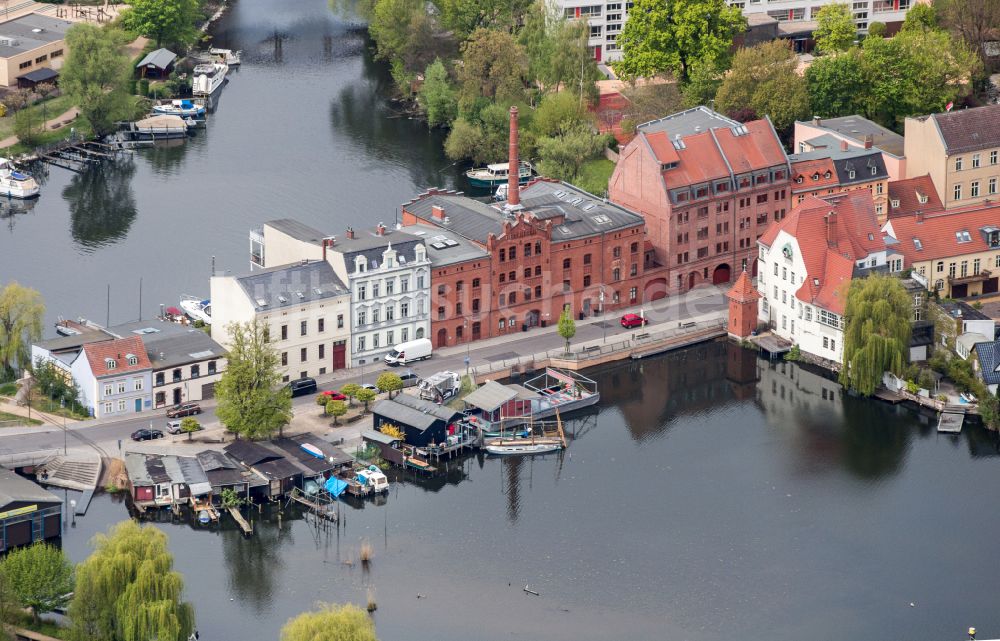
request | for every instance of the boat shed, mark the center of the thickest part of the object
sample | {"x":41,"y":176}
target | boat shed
{"x":315,"y":458}
{"x":223,"y":473}
{"x":388,"y":446}
{"x":495,"y":402}
{"x":422,"y":421}
{"x":156,"y":64}
{"x":280,"y":473}
{"x":149,"y":483}
{"x":28,"y":512}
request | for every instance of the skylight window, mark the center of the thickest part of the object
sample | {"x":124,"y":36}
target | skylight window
{"x":963,"y":236}
{"x":919,"y":245}
{"x":600,"y":219}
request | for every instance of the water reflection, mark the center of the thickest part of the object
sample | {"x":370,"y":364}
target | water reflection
{"x":253,"y":563}
{"x":101,"y":204}
{"x":165,"y":156}
{"x":10,"y":208}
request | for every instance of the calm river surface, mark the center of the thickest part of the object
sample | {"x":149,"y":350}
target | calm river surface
{"x":711,"y":496}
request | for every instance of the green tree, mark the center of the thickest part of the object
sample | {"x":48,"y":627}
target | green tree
{"x":190,"y":425}
{"x":39,"y":577}
{"x":877,"y":30}
{"x":484,"y":138}
{"x":389,"y":382}
{"x":922,"y":17}
{"x":974,"y":21}
{"x":389,"y":25}
{"x":21,"y":312}
{"x":494,"y":66}
{"x":562,"y":156}
{"x":163,"y":21}
{"x":96,"y":75}
{"x":763,"y":79}
{"x":322,"y":400}
{"x":437,"y":97}
{"x":464,"y":17}
{"x":559,"y":56}
{"x":835,"y":28}
{"x":127,"y":589}
{"x":28,"y":126}
{"x":330,"y":623}
{"x":673,"y":35}
{"x":651,"y":100}
{"x":465,"y":140}
{"x":837,"y":85}
{"x":558,"y":114}
{"x":252,"y":402}
{"x":336,"y":409}
{"x":567,"y":326}
{"x":350,"y":390}
{"x":366,"y":396}
{"x":230,"y":498}
{"x":876,"y":332}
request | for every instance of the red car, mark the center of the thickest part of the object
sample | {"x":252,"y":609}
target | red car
{"x":333,"y":395}
{"x":633,"y":320}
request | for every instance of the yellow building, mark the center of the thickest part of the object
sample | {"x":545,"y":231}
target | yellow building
{"x":960,"y":150}
{"x":955,"y":253}
{"x":29,"y":43}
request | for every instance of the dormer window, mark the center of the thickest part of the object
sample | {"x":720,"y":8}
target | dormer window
{"x":894,"y":202}
{"x":815,"y":176}
{"x":922,"y":198}
{"x":850,"y":174}
{"x":798,"y":179}
{"x":110,"y":363}
{"x":132,"y":359}
{"x":874,"y":170}
{"x":827,"y":174}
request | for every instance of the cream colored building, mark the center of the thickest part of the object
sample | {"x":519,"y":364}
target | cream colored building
{"x":305,"y":307}
{"x":960,"y":150}
{"x":29,"y":43}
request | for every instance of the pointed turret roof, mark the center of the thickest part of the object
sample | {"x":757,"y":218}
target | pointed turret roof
{"x":743,"y":290}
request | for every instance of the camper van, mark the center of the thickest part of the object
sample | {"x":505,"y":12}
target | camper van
{"x":409,"y":351}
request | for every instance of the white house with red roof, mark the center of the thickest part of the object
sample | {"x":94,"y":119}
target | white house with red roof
{"x":114,"y":377}
{"x":807,"y":262}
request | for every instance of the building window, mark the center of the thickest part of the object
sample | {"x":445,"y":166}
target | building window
{"x":475,"y":283}
{"x":633,"y":293}
{"x":390,"y":312}
{"x":362,"y":317}
{"x":512,"y":253}
{"x":177,"y":374}
{"x":617,"y":252}
{"x":121,"y":387}
{"x":991,"y":189}
{"x":404,"y":284}
{"x":404,"y":310}
{"x":826,"y":342}
{"x":388,"y":341}
{"x":108,"y":408}
{"x":284,"y":358}
{"x":974,"y":189}
{"x":586,"y":279}
{"x":24,"y":65}
{"x":993,"y":154}
{"x":121,"y":405}
{"x":440,"y":313}
{"x":362,"y":292}
{"x":567,"y":263}
{"x":503,"y":300}
{"x":634,"y":270}
{"x":375,"y":315}
{"x":108,"y":390}
{"x":475,"y":305}
{"x":361,"y":343}
{"x":538,"y":270}
{"x":390,"y":287}
{"x":538,"y":291}
{"x":211,"y":367}
{"x":322,"y":351}
{"x":59,"y":52}
{"x":503,"y":254}
{"x":975,"y":266}
{"x":284,"y":332}
{"x":302,"y":328}
{"x":951,"y":270}
{"x":375,"y":290}
{"x":616,"y":274}
{"x":527,"y":272}
{"x":340,"y":321}
{"x":958,"y":192}
{"x":404,"y":334}
{"x":320,"y":325}
{"x":975,"y":161}
{"x":159,"y":378}
{"x":958,"y":164}
{"x":420,"y":281}
{"x":195,"y":371}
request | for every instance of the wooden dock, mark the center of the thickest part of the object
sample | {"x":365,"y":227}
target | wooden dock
{"x":324,"y":510}
{"x":242,"y":522}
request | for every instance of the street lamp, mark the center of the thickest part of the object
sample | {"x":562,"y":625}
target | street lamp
{"x":62,"y":404}
{"x":604,"y":317}
{"x":468,"y":340}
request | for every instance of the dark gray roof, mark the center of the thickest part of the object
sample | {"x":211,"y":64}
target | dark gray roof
{"x":371,"y":245}
{"x":29,"y":32}
{"x":860,"y":160}
{"x":161,"y":58}
{"x":290,"y":285}
{"x":171,"y":344}
{"x":688,"y":122}
{"x":412,"y":412}
{"x":146,"y":469}
{"x":40,"y":75}
{"x":74,"y":342}
{"x":442,"y":412}
{"x":378,"y":437}
{"x":297,"y":230}
{"x":490,"y":395}
{"x":989,"y":361}
{"x":857,"y":127}
{"x":960,"y":309}
{"x":14,"y":488}
{"x":969,"y":129}
{"x":467,"y":217}
{"x":214,"y":460}
{"x":249,"y":453}
{"x":445,"y":247}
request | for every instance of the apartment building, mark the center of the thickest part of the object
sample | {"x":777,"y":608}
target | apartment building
{"x":114,"y":377}
{"x":960,"y":150}
{"x":604,"y":21}
{"x":807,"y":262}
{"x":797,"y":18}
{"x":708,"y":187}
{"x":858,"y":133}
{"x":839,"y":168}
{"x":910,"y":196}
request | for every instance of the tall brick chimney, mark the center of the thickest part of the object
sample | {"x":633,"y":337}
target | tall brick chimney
{"x":437,"y":212}
{"x":831,"y":229}
{"x":513,"y":164}
{"x":350,"y":233}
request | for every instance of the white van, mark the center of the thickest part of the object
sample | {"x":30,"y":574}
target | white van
{"x":409,"y":351}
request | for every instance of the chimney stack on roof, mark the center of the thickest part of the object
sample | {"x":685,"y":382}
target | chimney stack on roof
{"x":380,"y":229}
{"x":920,"y":216}
{"x":437,"y":211}
{"x":350,"y":233}
{"x":831,"y":229}
{"x":817,"y":122}
{"x":869,"y":141}
{"x":843,"y":145}
{"x":513,"y":164}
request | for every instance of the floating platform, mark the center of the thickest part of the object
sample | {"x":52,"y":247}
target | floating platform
{"x":951,"y":422}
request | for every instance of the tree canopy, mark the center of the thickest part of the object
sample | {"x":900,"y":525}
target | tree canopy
{"x":96,"y":75}
{"x":163,"y":21}
{"x":567,"y":326}
{"x":494,"y":66}
{"x":39,"y":577}
{"x":876,"y":332}
{"x":437,"y":96}
{"x":252,"y":402}
{"x":330,"y":623}
{"x":974,"y":21}
{"x":389,"y":382}
{"x":763,"y":79}
{"x":673,"y":35}
{"x":835,"y":28}
{"x":127,"y":589}
{"x":21,"y":312}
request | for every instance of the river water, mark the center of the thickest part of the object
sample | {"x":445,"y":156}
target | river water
{"x":711,"y":495}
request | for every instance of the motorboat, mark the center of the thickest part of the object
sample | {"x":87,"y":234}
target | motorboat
{"x":182,"y":108}
{"x":206,"y":78}
{"x":15,"y":183}
{"x":496,"y":174}
{"x":197,"y":309}
{"x":373,"y":478}
{"x":228,"y":56}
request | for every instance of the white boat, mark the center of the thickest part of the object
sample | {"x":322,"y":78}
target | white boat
{"x":182,"y":108}
{"x":496,"y":174}
{"x":208,"y":77}
{"x":374,"y":479}
{"x":228,"y":56}
{"x":159,"y":126}
{"x":14,"y":183}
{"x":197,"y":309}
{"x":524,"y":447}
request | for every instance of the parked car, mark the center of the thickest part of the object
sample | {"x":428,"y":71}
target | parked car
{"x":303,"y":386}
{"x":174,"y":427}
{"x":184,"y":409}
{"x":369,"y":386}
{"x":146,"y":435}
{"x":633,"y":320}
{"x":333,"y":395}
{"x":409,"y":378}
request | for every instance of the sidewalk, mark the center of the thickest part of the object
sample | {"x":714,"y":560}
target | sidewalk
{"x":13,"y":408}
{"x":53,"y":124}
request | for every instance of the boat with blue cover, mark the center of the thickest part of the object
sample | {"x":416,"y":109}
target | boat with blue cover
{"x":15,"y":183}
{"x":183,"y":108}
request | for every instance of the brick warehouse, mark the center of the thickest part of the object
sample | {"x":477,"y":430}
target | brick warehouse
{"x":708,"y":187}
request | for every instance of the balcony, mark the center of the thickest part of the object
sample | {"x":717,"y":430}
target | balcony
{"x":973,"y":278}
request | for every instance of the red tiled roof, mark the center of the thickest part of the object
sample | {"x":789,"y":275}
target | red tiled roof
{"x":119,"y":350}
{"x":936,"y":234}
{"x":759,"y":148}
{"x":832,"y":233}
{"x":743,"y":289}
{"x":662,"y":148}
{"x":821,"y":168}
{"x":700,"y":161}
{"x":908,"y":191}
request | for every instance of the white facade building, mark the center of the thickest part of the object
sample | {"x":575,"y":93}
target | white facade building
{"x":605,"y":20}
{"x":806,"y":265}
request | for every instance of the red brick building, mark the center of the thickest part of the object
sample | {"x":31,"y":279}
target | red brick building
{"x":559,"y":246}
{"x":708,"y":187}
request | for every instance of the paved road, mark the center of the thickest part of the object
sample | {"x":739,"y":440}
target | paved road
{"x":663,"y":314}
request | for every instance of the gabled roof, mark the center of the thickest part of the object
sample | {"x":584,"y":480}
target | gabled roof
{"x":862,"y":162}
{"x":812,"y":173}
{"x":490,"y":396}
{"x":969,"y":129}
{"x":908,"y":194}
{"x":857,"y":127}
{"x":161,"y":58}
{"x":249,"y":453}
{"x":413,"y":412}
{"x":100,"y":355}
{"x":743,"y":289}
{"x":17,"y":489}
{"x":297,"y":230}
{"x":988,"y":354}
{"x":943,"y":235}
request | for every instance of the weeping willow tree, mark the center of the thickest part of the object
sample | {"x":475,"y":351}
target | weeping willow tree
{"x":330,"y":623}
{"x":127,"y":589}
{"x":877,"y":331}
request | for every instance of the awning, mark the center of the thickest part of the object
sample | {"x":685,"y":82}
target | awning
{"x":40,"y":75}
{"x":490,"y":396}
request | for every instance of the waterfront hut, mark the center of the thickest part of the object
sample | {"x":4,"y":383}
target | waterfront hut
{"x":388,"y":446}
{"x":149,"y":485}
{"x":281,"y":475}
{"x":316,"y":459}
{"x":492,"y":402}
{"x":423,"y":422}
{"x":28,"y":512}
{"x":223,"y":473}
{"x":156,"y":64}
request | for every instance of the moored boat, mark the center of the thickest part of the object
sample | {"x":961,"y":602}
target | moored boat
{"x":522,"y":447}
{"x":208,"y":77}
{"x":497,"y":174}
{"x":160,"y":126}
{"x":197,"y":309}
{"x":15,"y":183}
{"x":182,"y":108}
{"x":228,"y":56}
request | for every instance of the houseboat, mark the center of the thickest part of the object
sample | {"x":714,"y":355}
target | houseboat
{"x":208,"y":77}
{"x":182,"y":108}
{"x":14,"y":183}
{"x":496,"y":174}
{"x":495,"y":408}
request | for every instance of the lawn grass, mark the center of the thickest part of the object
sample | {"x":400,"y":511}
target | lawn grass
{"x":594,"y":176}
{"x":8,"y":389}
{"x":26,"y":621}
{"x":6,"y":418}
{"x":49,"y":108}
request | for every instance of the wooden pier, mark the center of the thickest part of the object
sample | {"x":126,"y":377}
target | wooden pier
{"x":325,"y":510}
{"x":242,"y":522}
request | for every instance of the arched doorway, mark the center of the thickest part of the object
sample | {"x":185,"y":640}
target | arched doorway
{"x":655,"y":289}
{"x":692,"y":279}
{"x":442,"y":337}
{"x":420,"y":332}
{"x":531,"y":318}
{"x":721,"y":274}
